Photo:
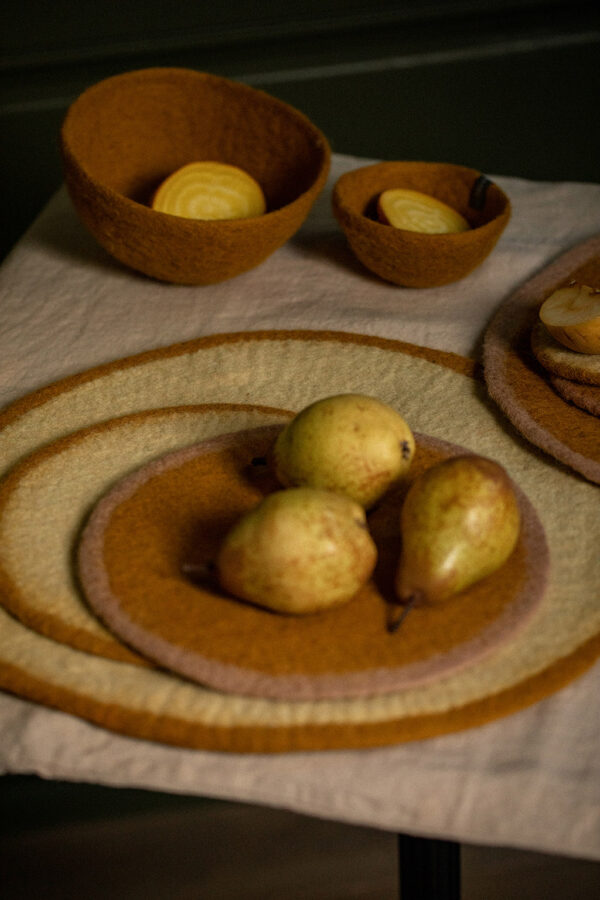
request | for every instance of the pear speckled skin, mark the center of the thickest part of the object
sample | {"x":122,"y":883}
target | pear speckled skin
{"x":349,"y":443}
{"x":298,"y":551}
{"x":460,"y":522}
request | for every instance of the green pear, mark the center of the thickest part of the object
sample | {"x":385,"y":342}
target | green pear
{"x":298,"y":551}
{"x":349,"y":443}
{"x":460,"y":522}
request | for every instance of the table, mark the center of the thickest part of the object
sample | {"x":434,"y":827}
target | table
{"x":530,"y":780}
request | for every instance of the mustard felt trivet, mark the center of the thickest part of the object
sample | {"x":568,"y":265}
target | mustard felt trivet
{"x":169,"y":518}
{"x":522,"y":387}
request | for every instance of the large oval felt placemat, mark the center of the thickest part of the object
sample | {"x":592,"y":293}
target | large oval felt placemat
{"x":522,"y":387}
{"x":439,"y":396}
{"x":170,"y":517}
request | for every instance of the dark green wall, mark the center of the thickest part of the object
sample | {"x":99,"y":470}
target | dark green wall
{"x":507,"y":86}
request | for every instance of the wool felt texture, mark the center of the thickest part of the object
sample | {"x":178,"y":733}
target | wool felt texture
{"x":411,"y":258}
{"x":123,"y":136}
{"x":169,"y":518}
{"x":586,"y":396}
{"x":522,"y":388}
{"x":561,"y":642}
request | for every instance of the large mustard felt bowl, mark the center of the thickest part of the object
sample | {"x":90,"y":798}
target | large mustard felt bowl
{"x":123,"y":136}
{"x":415,"y":259}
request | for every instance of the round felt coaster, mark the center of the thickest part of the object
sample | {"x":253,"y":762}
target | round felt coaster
{"x":439,"y":397}
{"x":585,"y":396}
{"x":522,"y":387}
{"x":170,"y":516}
{"x":559,"y":360}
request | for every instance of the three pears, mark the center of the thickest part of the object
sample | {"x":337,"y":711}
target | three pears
{"x":307,"y":546}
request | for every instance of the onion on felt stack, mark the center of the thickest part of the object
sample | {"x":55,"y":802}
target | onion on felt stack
{"x":566,"y":342}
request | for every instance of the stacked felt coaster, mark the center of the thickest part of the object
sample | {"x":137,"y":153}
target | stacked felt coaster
{"x":574,"y":376}
{"x":550,"y":393}
{"x":110,"y":628}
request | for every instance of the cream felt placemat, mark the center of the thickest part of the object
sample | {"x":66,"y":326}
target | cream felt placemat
{"x":287,"y":370}
{"x":523,"y":388}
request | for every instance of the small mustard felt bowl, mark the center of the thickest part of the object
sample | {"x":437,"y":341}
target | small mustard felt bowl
{"x":411,"y":258}
{"x":124,"y":136}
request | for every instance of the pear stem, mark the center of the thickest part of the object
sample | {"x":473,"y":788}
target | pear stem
{"x":395,"y":624}
{"x":200,"y":573}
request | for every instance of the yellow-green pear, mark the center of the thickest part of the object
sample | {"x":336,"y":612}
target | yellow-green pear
{"x":460,"y":522}
{"x":298,"y":551}
{"x":350,"y":443}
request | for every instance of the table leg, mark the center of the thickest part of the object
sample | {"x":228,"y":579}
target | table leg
{"x":429,"y":869}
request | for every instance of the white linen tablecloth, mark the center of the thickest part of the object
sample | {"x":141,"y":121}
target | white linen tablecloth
{"x":531,"y":780}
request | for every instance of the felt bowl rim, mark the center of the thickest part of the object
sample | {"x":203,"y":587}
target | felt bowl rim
{"x":322,"y":148}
